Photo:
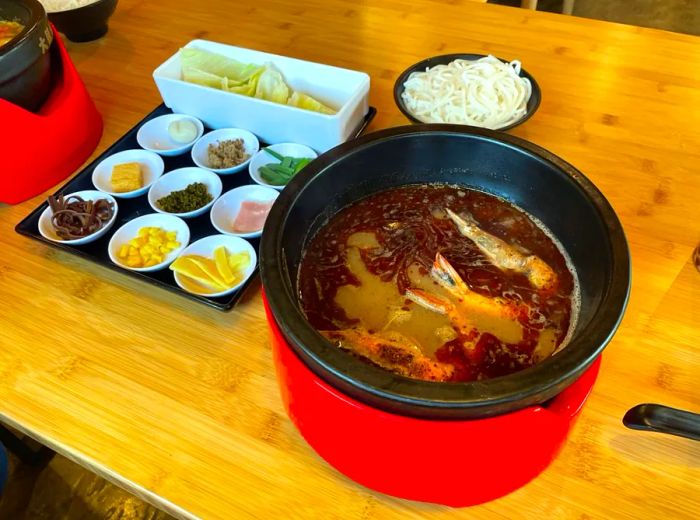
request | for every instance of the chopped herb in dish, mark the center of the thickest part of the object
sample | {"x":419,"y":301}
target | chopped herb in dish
{"x":191,"y":198}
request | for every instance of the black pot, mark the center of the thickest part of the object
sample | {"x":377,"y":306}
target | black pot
{"x":25,"y":62}
{"x":521,"y":172}
{"x":85,"y":23}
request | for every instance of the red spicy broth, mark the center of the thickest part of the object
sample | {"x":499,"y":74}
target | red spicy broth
{"x":355,"y":272}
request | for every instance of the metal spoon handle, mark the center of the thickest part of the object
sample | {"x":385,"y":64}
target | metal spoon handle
{"x":663,"y":419}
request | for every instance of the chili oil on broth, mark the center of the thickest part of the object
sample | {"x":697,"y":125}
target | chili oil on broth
{"x":356,"y":269}
{"x":9,"y":30}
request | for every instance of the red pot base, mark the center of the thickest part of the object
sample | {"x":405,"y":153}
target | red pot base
{"x":44,"y":148}
{"x":455,"y":463}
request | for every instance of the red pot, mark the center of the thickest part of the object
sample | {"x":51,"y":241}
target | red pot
{"x":450,"y":443}
{"x":65,"y":130}
{"x":451,"y":462}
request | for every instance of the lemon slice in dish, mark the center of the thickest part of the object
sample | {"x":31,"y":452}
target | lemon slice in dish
{"x":192,"y":267}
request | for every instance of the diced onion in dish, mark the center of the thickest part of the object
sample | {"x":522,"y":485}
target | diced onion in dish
{"x":485,"y":92}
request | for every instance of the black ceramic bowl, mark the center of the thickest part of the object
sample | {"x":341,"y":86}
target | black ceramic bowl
{"x":535,"y":180}
{"x":25,"y":61}
{"x":85,"y":23}
{"x":532,"y":104}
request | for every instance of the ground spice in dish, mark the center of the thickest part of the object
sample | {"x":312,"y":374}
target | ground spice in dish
{"x":181,"y":201}
{"x":226,"y":154}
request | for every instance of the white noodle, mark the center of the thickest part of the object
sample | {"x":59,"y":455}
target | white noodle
{"x":486,"y":93}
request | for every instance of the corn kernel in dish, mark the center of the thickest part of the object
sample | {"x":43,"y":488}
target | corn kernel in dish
{"x":127,"y":177}
{"x":149,"y":247}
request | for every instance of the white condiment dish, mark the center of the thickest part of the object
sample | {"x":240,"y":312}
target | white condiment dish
{"x":152,"y":167}
{"x":263,"y":158}
{"x":130,"y":230}
{"x":179,"y":180}
{"x":227,"y":207}
{"x":200,"y":151}
{"x":49,"y":232}
{"x":155,"y":137}
{"x":205,"y":247}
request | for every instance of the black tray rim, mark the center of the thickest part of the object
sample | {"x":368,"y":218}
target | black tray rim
{"x":224,"y":306}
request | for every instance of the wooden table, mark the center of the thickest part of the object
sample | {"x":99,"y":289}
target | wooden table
{"x":178,"y":403}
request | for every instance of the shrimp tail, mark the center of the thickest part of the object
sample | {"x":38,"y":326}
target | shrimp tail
{"x":446,"y":275}
{"x":428,"y":301}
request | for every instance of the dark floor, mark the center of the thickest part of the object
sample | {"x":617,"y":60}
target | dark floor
{"x":64,"y":491}
{"x":681,"y":16}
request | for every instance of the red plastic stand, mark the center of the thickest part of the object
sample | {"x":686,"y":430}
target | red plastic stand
{"x":456,"y":463}
{"x":39,"y":150}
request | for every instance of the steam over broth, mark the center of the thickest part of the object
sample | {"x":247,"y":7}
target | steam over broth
{"x":372,"y":281}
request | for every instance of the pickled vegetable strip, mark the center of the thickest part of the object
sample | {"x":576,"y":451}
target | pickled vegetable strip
{"x":77,"y":218}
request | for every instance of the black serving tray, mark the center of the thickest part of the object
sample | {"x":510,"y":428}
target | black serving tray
{"x":131,"y":208}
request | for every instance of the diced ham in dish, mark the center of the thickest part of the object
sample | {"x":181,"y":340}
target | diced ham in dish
{"x":251,"y":217}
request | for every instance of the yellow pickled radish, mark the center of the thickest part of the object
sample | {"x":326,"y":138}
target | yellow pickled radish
{"x":238,"y":261}
{"x":221,"y":258}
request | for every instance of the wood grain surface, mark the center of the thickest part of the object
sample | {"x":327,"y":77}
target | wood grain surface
{"x":178,"y":403}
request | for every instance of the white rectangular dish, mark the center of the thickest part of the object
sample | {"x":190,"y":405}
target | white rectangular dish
{"x":343,"y":89}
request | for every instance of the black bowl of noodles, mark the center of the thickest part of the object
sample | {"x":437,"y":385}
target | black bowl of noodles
{"x":546,"y":188}
{"x":418,"y":100}
{"x":25,"y":59}
{"x":81,"y":20}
